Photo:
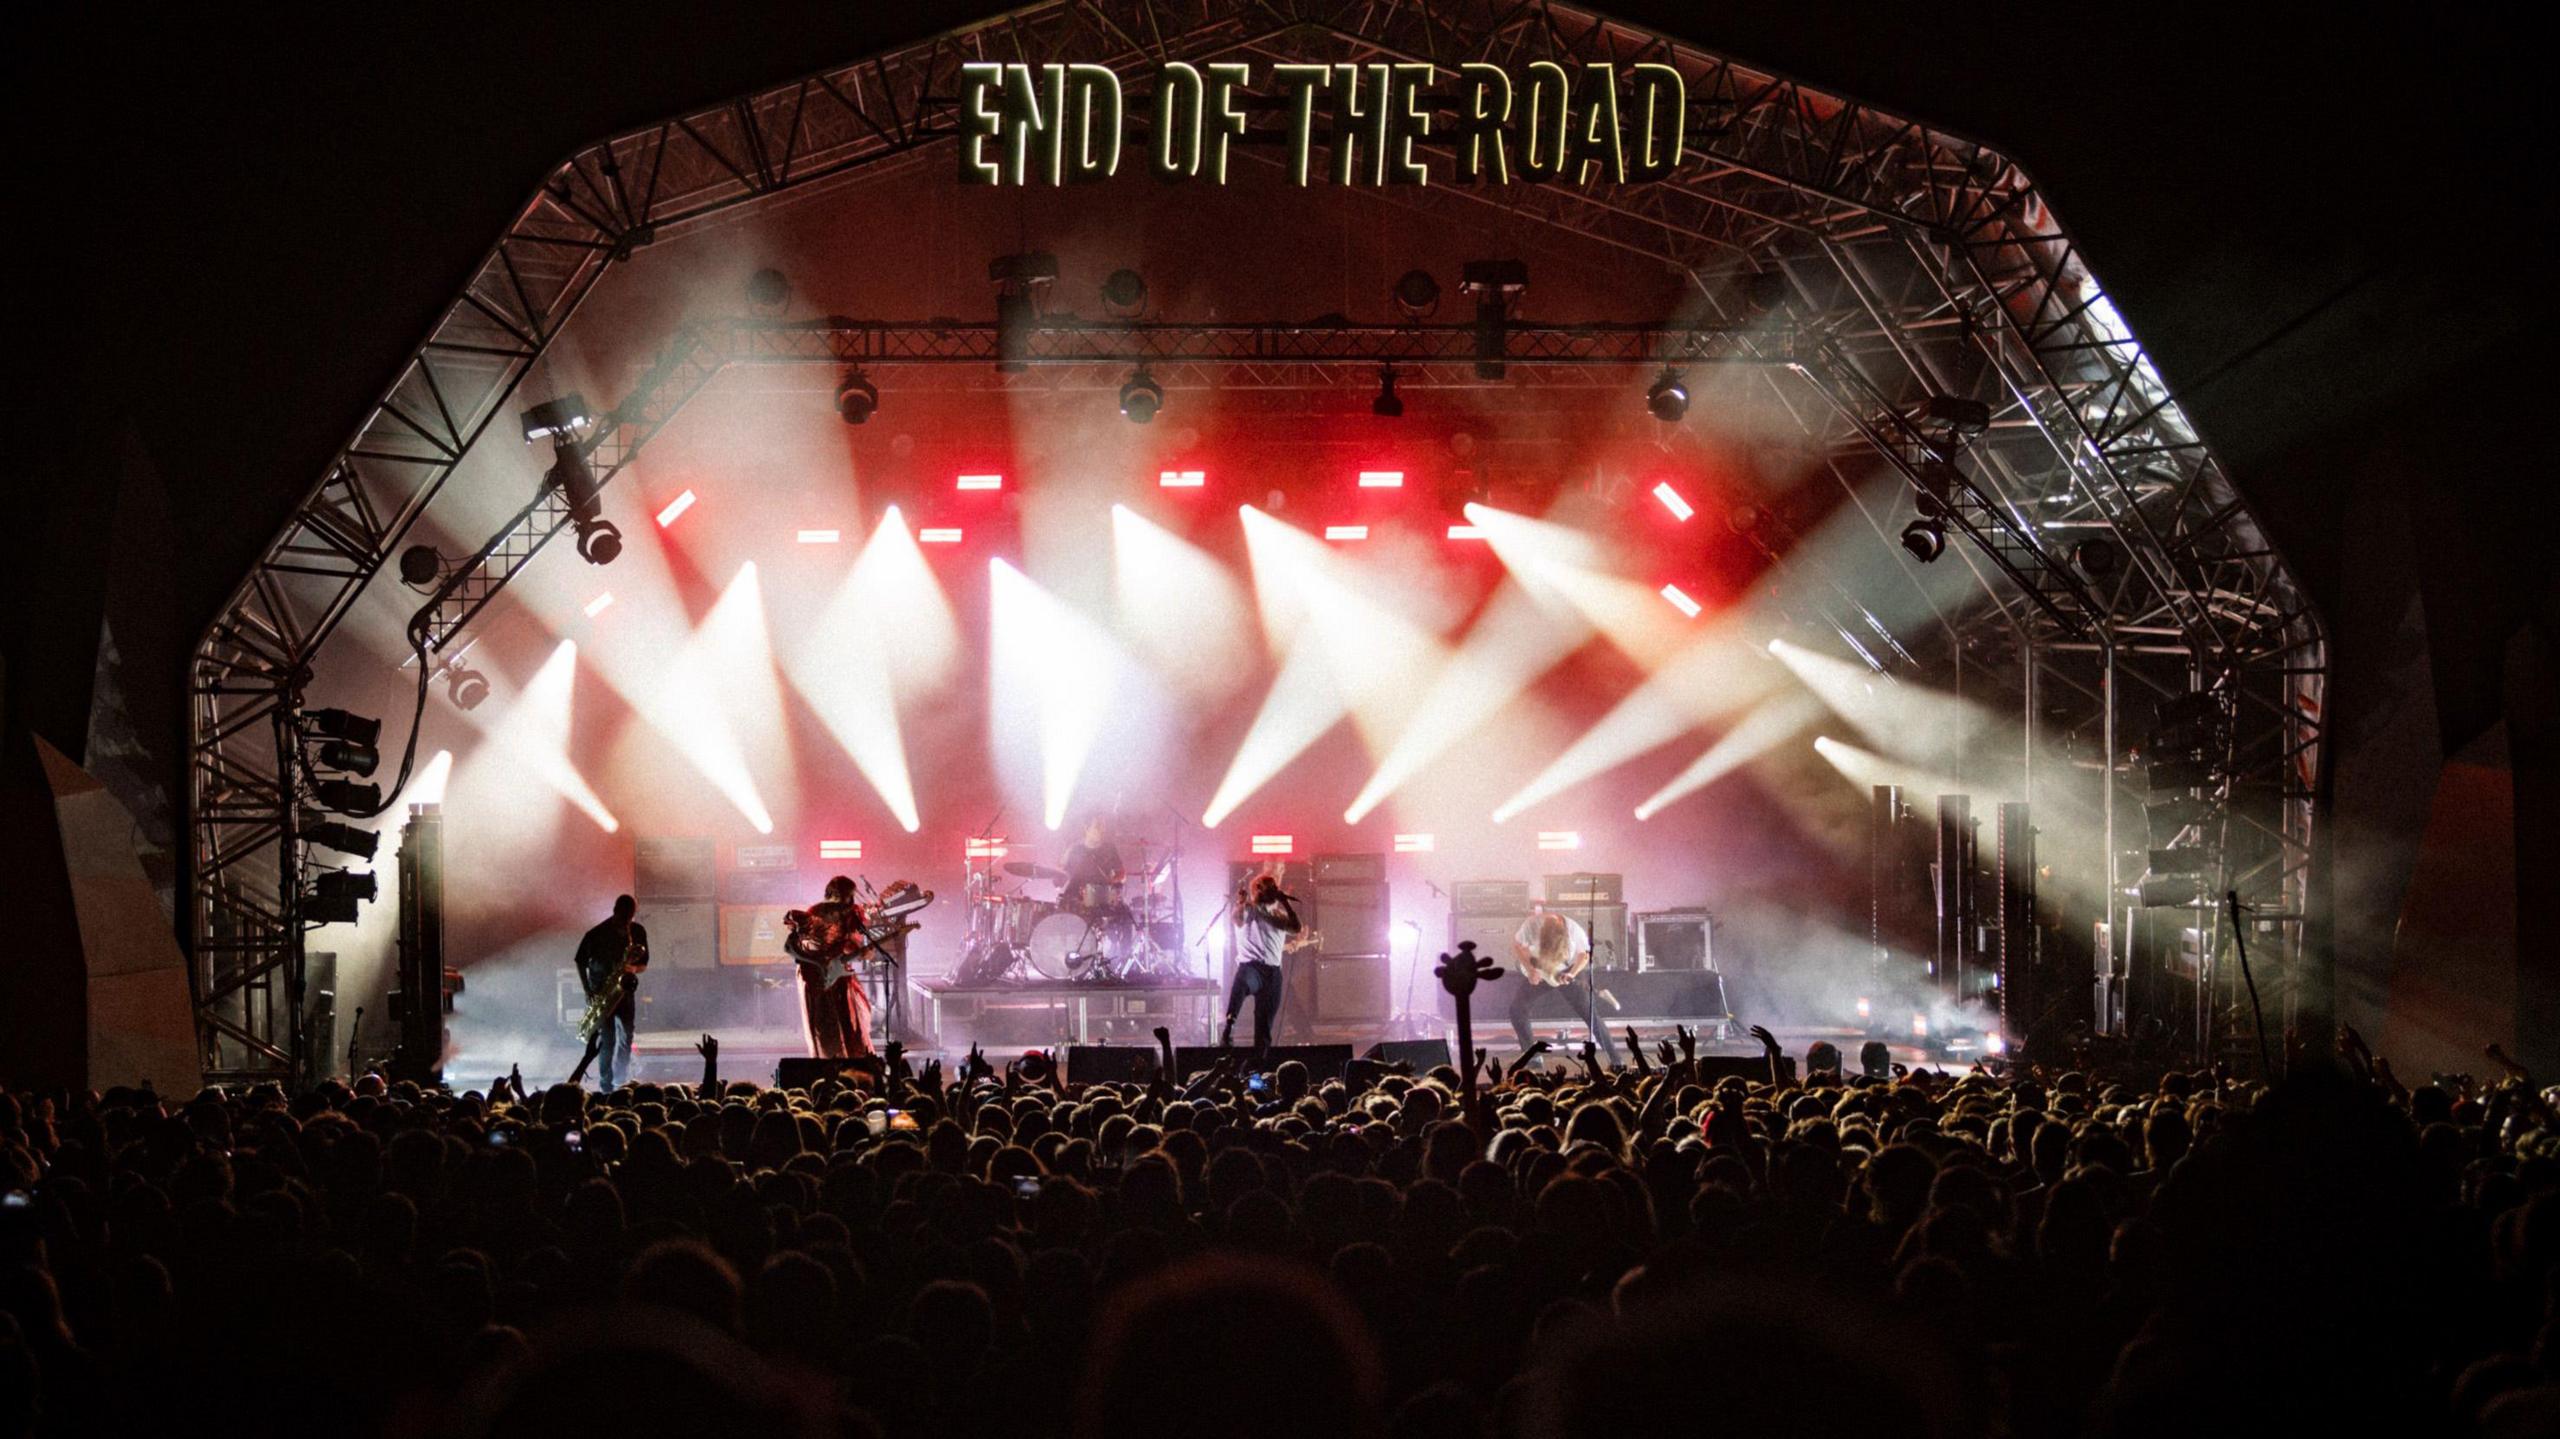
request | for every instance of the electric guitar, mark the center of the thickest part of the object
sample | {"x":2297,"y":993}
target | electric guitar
{"x":829,"y":955}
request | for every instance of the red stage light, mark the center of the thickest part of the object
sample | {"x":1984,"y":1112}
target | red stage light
{"x":1466,"y":532}
{"x":820,"y":537}
{"x":1274,"y":843}
{"x":1559,"y":839}
{"x":839,"y":849}
{"x":980,"y":482}
{"x":675,"y":508}
{"x":599,"y":604}
{"x":1346,"y":532}
{"x":938,"y":536}
{"x":1382,"y":479}
{"x":1671,"y":501}
{"x":1414,"y":844}
{"x":1680,"y":600}
{"x":1182,"y":479}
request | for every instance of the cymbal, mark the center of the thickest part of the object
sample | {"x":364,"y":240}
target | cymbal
{"x":1025,"y":869}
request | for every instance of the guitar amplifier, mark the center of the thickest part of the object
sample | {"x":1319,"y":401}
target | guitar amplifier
{"x":1490,"y":897}
{"x":786,"y":886}
{"x":1567,"y":890}
{"x":1675,"y":939}
{"x":1332,"y":867}
{"x":752,"y":933}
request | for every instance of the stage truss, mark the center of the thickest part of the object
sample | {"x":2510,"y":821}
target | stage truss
{"x":1917,"y":265}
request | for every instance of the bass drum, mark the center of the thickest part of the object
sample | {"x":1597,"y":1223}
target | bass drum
{"x":1060,"y":946}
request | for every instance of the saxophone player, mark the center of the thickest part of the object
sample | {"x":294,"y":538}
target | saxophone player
{"x":611,"y":956}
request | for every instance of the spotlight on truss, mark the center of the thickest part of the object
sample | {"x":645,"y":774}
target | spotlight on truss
{"x":1417,"y":294}
{"x":1388,"y":406}
{"x":335,"y":896}
{"x":1925,"y":538}
{"x":317,"y":828}
{"x":565,"y":416}
{"x":1141,"y":397}
{"x":1669,"y":397}
{"x":857,"y":399}
{"x":1125,"y":291}
{"x":421,"y":567}
{"x":466,"y":687}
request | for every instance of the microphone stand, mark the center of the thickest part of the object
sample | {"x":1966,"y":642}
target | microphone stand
{"x":1591,"y":967}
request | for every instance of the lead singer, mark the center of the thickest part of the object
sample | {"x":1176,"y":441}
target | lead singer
{"x":1263,"y":917}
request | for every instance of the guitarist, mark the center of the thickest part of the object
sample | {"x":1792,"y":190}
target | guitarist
{"x":838,"y":1010}
{"x":611,"y":955}
{"x":1554,"y":952}
{"x":826,"y":938}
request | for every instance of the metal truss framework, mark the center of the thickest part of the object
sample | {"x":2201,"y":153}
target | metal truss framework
{"x":1930,"y":262}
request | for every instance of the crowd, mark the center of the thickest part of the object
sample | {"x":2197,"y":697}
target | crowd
{"x":1545,"y":1247}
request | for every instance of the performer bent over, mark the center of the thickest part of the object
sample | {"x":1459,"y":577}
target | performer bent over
{"x":1552,"y":952}
{"x":1263,"y":918}
{"x":837,"y":1007}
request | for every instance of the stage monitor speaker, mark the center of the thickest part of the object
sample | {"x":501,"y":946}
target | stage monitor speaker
{"x":1564,"y":891}
{"x":1675,"y":939}
{"x":752,"y":933}
{"x":1353,"y":990}
{"x":1490,"y":897}
{"x":1323,"y":1061}
{"x":1336,"y":868}
{"x":683,"y":934}
{"x":1422,"y":1054}
{"x":673,"y":867}
{"x":800,"y":1071}
{"x":1753,"y":1067}
{"x":1110,"y":1064}
{"x":1352,"y":917}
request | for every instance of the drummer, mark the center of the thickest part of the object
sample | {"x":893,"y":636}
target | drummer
{"x":1093,"y":871}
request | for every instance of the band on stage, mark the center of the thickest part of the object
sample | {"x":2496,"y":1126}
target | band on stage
{"x":852,"y":931}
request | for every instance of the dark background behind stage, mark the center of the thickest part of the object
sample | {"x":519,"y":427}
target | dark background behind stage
{"x":2328,"y":226}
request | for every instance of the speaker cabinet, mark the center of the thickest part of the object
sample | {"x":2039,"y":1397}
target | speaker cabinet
{"x":665,"y":867}
{"x":1491,"y":932}
{"x":683,"y":934}
{"x":1323,"y":1061}
{"x":1110,"y":1064}
{"x":1352,"y":916}
{"x":801,"y":1071}
{"x":1422,"y":1054}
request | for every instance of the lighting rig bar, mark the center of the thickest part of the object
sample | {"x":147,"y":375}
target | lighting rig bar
{"x":700,"y":351}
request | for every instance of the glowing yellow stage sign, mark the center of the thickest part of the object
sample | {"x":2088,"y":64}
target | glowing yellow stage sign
{"x":1365,"y":124}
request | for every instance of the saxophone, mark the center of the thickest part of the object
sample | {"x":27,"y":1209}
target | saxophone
{"x":609,"y":995}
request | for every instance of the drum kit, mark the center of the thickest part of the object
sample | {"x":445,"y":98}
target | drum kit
{"x":1121,"y":930}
